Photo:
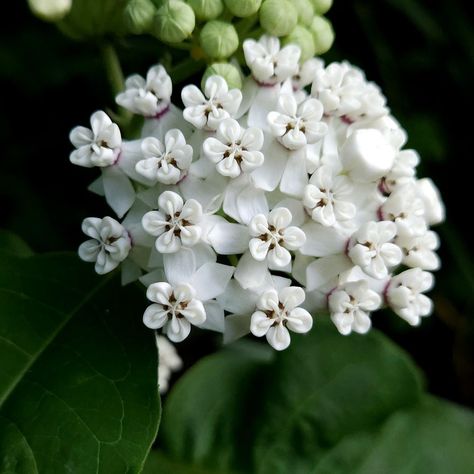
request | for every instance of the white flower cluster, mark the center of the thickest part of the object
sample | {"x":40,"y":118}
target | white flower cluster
{"x":250,"y":210}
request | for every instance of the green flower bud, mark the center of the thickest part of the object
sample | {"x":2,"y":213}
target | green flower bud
{"x":243,"y":8}
{"x":278,"y":17}
{"x":321,"y":6}
{"x":305,"y":11}
{"x":206,"y":9}
{"x":304,"y":39}
{"x":174,"y":21}
{"x":219,"y":39}
{"x":323,"y":34}
{"x":50,"y":10}
{"x":228,"y":71}
{"x":139,"y":15}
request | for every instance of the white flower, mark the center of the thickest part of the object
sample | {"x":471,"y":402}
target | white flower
{"x":418,"y":251}
{"x":406,"y":209}
{"x":234,"y":149}
{"x":169,"y":362}
{"x":314,"y":190}
{"x":273,"y":236}
{"x":372,"y":103}
{"x":433,"y":204}
{"x":279,"y":311}
{"x":297,"y":125}
{"x":175,"y":224}
{"x":328,"y":198}
{"x":405,"y":295}
{"x":350,"y":305}
{"x":345,"y":92}
{"x":307,"y":71}
{"x":218,"y":103}
{"x":150,"y":97}
{"x":97,"y":146}
{"x":402,"y":172}
{"x":109,"y":245}
{"x":167,"y":163}
{"x":367,"y":155}
{"x":338,"y":88}
{"x":173,"y":309}
{"x":268,"y":63}
{"x":372,"y":249}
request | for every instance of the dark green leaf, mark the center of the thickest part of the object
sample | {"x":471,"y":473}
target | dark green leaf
{"x":14,"y":245}
{"x":159,"y":463}
{"x":78,"y":378}
{"x":434,"y":437}
{"x":237,"y":412}
{"x":210,"y":408}
{"x":326,"y":387}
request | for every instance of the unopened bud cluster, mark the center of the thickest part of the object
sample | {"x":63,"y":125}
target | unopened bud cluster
{"x":258,"y":210}
{"x":214,"y":29}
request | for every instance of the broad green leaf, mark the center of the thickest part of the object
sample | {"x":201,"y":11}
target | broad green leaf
{"x":238,"y":412}
{"x":211,"y":409}
{"x":78,"y":373}
{"x":326,"y":387}
{"x":434,"y":437}
{"x":159,"y":463}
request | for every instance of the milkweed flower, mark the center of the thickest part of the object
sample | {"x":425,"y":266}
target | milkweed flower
{"x":256,"y":211}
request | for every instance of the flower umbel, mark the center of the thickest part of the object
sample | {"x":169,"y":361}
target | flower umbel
{"x":250,"y":204}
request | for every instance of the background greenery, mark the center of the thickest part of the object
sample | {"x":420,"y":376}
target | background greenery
{"x":421,"y":52}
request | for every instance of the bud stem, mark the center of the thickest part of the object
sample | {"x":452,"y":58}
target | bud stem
{"x":186,"y":68}
{"x":244,"y":25}
{"x":116,"y":80}
{"x":113,"y":68}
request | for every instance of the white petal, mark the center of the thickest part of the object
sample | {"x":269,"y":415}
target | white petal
{"x":159,"y":292}
{"x":295,"y":176}
{"x":177,"y":330}
{"x":180,"y":266}
{"x":118,"y":189}
{"x":170,"y":202}
{"x":211,"y":279}
{"x":250,"y":202}
{"x":323,"y":271}
{"x":89,"y":250}
{"x":214,"y":317}
{"x":237,"y":300}
{"x":300,"y":321}
{"x":154,"y":223}
{"x":278,"y":257}
{"x":250,"y":273}
{"x":280,"y":218}
{"x":229,"y":239}
{"x":155,"y":317}
{"x":294,"y":238}
{"x":291,"y":297}
{"x":278,"y":337}
{"x":260,"y":323}
{"x":236,"y":326}
{"x":267,"y":176}
{"x":259,"y":249}
{"x":168,"y":242}
{"x":194,"y":312}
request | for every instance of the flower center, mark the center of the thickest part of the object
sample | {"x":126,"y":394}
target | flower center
{"x":175,"y":307}
{"x":273,"y":235}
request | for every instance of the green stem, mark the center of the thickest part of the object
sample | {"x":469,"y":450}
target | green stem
{"x":244,"y":25}
{"x":186,"y":69}
{"x":113,"y":68}
{"x":233,"y":260}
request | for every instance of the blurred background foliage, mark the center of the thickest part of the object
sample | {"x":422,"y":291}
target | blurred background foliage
{"x":421,"y":52}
